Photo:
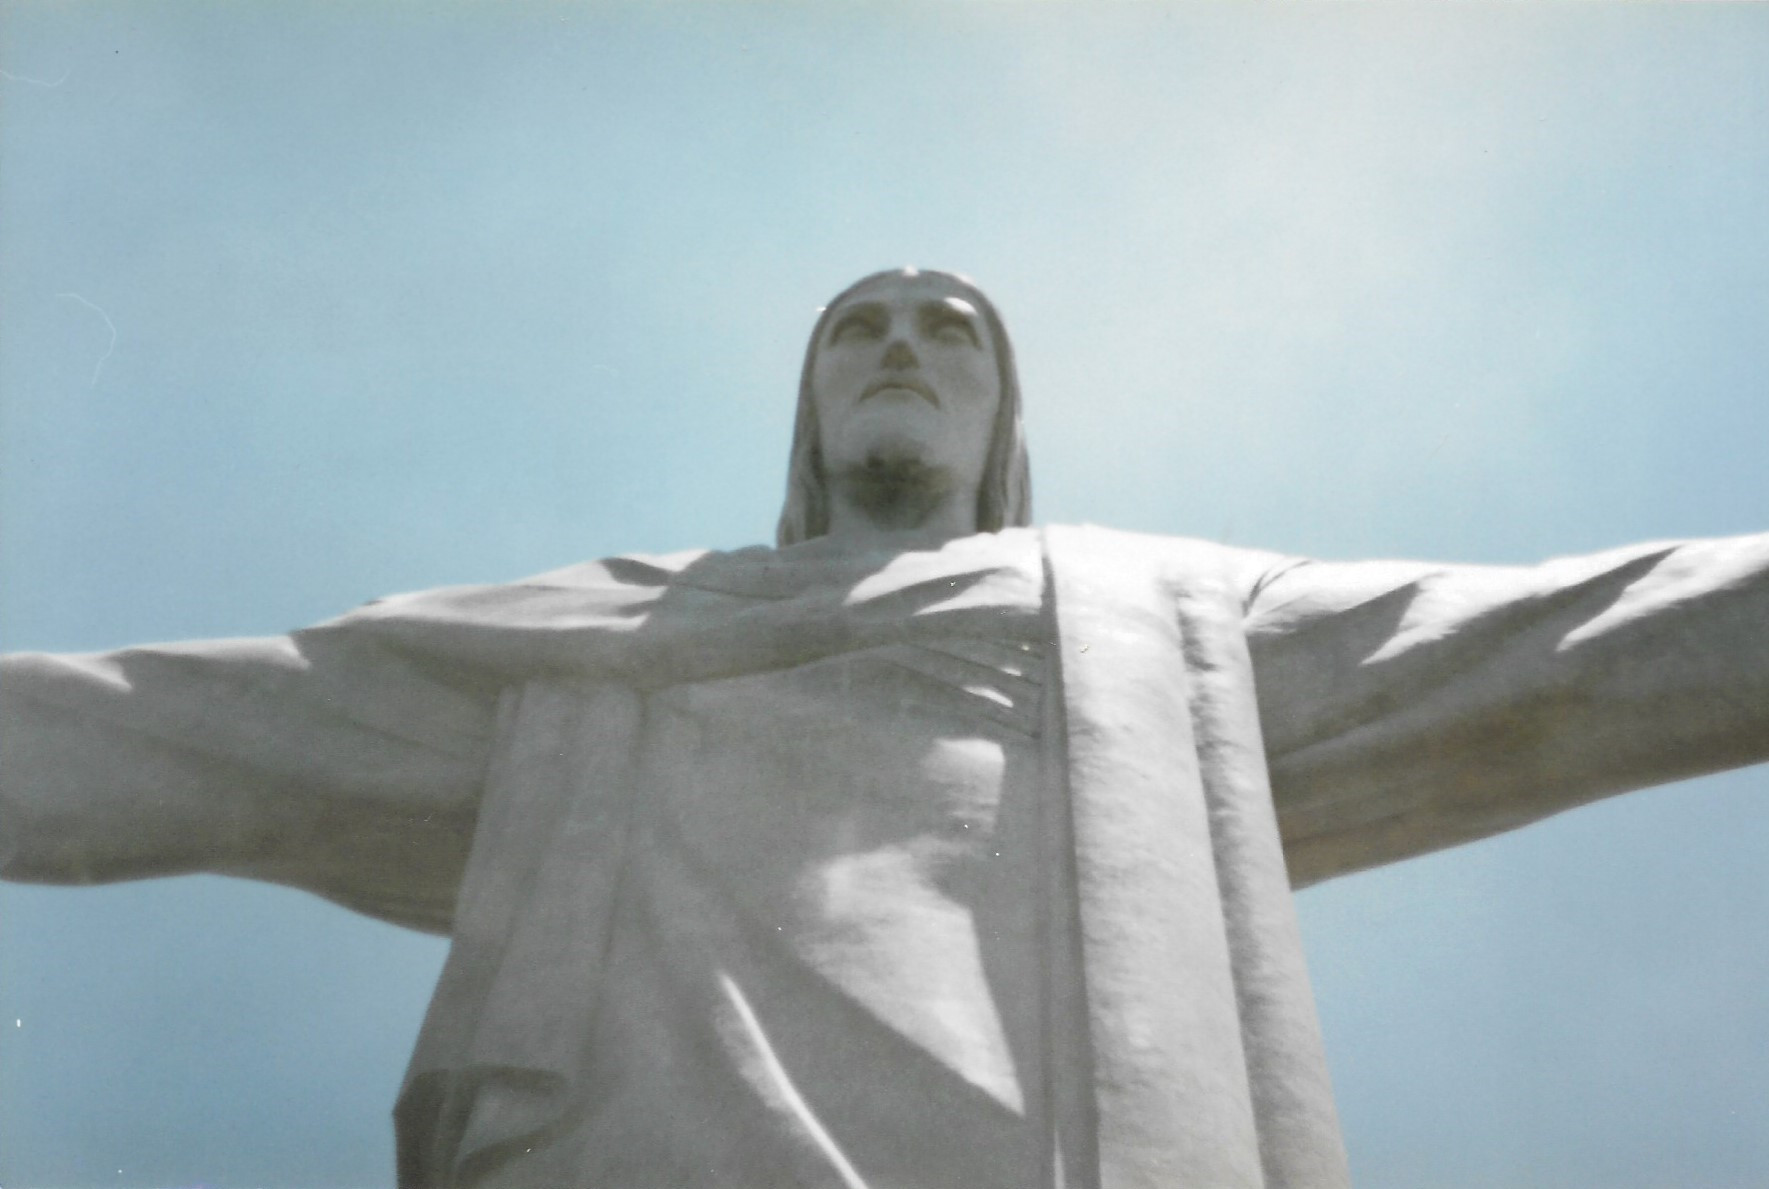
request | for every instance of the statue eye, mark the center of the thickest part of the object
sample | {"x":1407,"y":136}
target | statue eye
{"x":857,"y":326}
{"x":954,"y":330}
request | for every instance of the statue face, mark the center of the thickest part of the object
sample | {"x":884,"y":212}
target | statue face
{"x":906,"y":370}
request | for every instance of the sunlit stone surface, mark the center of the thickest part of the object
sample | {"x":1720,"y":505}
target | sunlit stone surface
{"x":924,"y":849}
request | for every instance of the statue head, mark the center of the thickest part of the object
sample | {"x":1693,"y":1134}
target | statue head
{"x":908,"y":397}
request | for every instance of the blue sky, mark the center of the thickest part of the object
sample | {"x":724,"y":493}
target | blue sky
{"x":300,"y":306}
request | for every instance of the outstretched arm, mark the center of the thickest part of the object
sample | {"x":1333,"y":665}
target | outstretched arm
{"x":324,"y":762}
{"x":1410,"y":707}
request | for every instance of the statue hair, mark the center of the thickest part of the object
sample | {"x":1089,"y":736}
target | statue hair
{"x":1004,"y":498}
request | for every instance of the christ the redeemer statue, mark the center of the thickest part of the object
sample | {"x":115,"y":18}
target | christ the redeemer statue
{"x":924,"y":850}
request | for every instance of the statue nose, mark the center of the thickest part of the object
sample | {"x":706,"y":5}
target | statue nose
{"x":898,"y":354}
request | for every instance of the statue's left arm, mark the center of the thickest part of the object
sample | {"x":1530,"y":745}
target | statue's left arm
{"x":1410,"y":707}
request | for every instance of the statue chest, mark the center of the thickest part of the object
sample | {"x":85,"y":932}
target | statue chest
{"x":871,"y":815}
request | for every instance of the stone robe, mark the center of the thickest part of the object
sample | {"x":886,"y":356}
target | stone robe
{"x":967,"y":866}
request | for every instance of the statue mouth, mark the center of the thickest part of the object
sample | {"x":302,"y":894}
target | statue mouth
{"x":900,"y":384}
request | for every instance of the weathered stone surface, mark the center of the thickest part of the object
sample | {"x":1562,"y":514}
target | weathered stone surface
{"x":903,"y":853}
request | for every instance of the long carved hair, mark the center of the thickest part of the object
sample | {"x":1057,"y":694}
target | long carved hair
{"x":1004,"y":498}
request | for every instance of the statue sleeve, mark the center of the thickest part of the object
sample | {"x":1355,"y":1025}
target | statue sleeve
{"x":1409,"y":707}
{"x":319,"y":760}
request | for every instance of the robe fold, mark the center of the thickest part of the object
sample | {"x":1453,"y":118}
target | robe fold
{"x":808,"y":867}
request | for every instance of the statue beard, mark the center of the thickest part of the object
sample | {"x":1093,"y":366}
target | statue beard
{"x":894,"y":489}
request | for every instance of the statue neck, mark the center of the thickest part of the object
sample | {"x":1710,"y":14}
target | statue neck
{"x":876,"y":506}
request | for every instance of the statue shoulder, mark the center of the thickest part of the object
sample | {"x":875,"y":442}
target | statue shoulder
{"x":643,"y":569}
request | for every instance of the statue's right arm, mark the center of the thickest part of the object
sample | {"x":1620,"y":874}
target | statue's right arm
{"x":318,"y":760}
